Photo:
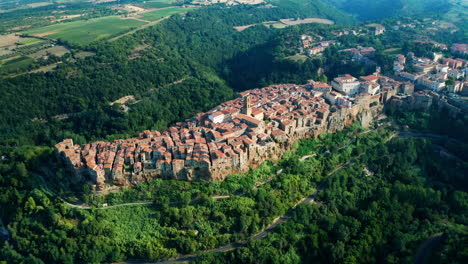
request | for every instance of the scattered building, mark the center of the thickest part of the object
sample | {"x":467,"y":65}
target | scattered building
{"x":459,"y":48}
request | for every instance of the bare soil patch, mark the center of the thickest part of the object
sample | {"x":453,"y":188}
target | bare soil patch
{"x":292,"y":22}
{"x":242,"y":28}
{"x":132,"y":8}
{"x":44,"y":34}
{"x":124,"y":100}
{"x":9,"y":40}
{"x":57,"y":51}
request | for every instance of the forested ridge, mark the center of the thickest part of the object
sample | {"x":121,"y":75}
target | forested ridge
{"x":192,"y":49}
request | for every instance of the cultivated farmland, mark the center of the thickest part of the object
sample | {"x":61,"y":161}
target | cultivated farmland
{"x":158,"y":4}
{"x":86,"y":31}
{"x":158,"y":14}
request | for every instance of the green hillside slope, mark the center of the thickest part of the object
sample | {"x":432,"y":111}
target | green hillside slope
{"x":371,"y":9}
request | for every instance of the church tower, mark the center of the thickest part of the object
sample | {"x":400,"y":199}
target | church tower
{"x":247,"y":107}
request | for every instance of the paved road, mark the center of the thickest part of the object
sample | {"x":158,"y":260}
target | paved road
{"x":427,"y":135}
{"x":426,"y":247}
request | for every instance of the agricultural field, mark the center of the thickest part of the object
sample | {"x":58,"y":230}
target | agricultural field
{"x":158,"y":4}
{"x":9,"y":6}
{"x":16,"y":64}
{"x":26,"y":41}
{"x":158,"y":14}
{"x":11,"y":42}
{"x":56,"y":50}
{"x":85,"y":32}
{"x":393,"y":51}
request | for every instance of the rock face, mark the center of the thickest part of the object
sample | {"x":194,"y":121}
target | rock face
{"x":239,"y":134}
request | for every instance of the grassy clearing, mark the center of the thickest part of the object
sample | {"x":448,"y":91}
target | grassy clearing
{"x":84,"y":32}
{"x":393,"y":51}
{"x":298,"y":57}
{"x":274,"y":24}
{"x":158,"y":14}
{"x":57,"y":51}
{"x":157,"y":4}
{"x":16,"y":64}
{"x":84,"y":54}
{"x":27,"y":41}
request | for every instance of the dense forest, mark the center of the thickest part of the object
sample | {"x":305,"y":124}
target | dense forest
{"x":409,"y":192}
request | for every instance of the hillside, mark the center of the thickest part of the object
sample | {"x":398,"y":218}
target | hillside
{"x":372,"y":10}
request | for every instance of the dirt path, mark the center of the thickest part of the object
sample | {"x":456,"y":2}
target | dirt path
{"x":152,"y":23}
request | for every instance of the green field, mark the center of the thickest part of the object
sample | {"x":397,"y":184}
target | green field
{"x":158,"y":4}
{"x":27,"y":41}
{"x":158,"y":14}
{"x":16,"y":64}
{"x":84,"y":32}
{"x":393,"y":51}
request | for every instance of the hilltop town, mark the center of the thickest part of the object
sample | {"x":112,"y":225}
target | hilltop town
{"x":261,"y":124}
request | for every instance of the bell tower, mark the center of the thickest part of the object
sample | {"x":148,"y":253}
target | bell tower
{"x":247,"y":107}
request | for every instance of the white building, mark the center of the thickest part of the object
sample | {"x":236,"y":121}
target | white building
{"x":442,"y":68}
{"x":398,"y":67}
{"x":456,"y":87}
{"x":457,"y":74}
{"x":217,"y":117}
{"x":333,"y":97}
{"x":434,"y":85}
{"x":410,"y":76}
{"x":346,"y":84}
{"x":370,"y":88}
{"x":319,"y":87}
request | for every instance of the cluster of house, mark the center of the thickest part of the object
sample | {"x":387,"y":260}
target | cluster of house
{"x":361,"y":54}
{"x":435,"y":74}
{"x":375,"y":29}
{"x":310,"y":47}
{"x":401,"y":25}
{"x":435,"y":44}
{"x":259,"y":125}
{"x":459,"y":48}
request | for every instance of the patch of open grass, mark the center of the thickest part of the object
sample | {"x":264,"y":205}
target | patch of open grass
{"x":157,"y":4}
{"x":393,"y":51}
{"x":16,"y":64}
{"x":27,"y":41}
{"x":158,"y":14}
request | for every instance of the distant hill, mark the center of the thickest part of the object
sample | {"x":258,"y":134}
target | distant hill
{"x":372,"y":9}
{"x":314,"y":8}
